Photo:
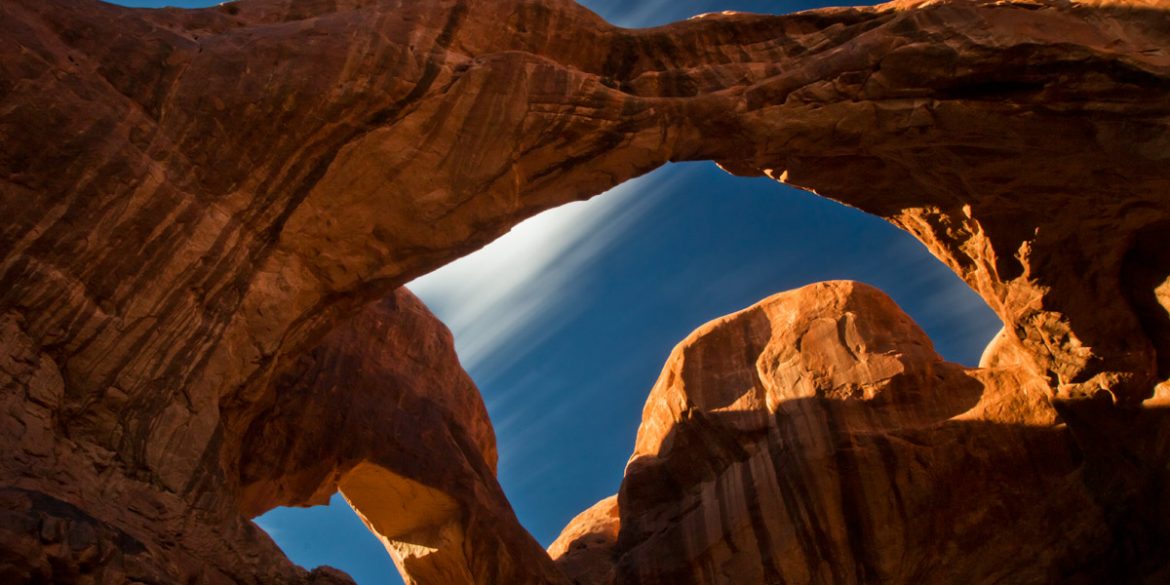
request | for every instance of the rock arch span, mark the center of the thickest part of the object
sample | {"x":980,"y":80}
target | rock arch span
{"x":196,"y":198}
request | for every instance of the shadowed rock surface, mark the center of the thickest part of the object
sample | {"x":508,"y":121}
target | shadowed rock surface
{"x":194,"y":199}
{"x":382,"y":411}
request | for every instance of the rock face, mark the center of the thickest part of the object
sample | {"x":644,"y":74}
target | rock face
{"x":817,"y":438}
{"x":382,"y":411}
{"x":585,"y":549}
{"x":195,"y":199}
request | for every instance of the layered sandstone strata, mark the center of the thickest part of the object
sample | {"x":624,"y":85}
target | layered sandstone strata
{"x":380,"y":409}
{"x":816,"y":438}
{"x":194,"y":199}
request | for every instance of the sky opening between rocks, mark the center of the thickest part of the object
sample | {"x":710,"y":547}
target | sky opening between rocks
{"x":565,"y":322}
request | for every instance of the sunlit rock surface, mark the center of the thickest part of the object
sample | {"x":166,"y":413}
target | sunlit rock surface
{"x":194,"y":199}
{"x":817,"y":438}
{"x":585,"y":549}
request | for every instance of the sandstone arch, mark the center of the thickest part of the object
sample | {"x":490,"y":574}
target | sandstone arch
{"x":199,"y":196}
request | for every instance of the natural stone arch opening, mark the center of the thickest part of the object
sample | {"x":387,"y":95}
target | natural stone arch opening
{"x":686,"y":197}
{"x":330,"y":535}
{"x":419,"y":525}
{"x":168,"y":254}
{"x":417,"y":457}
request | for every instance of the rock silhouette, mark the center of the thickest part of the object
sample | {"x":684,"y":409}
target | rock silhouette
{"x":817,"y":438}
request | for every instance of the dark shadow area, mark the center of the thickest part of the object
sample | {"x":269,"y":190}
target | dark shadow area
{"x":1125,"y":453}
{"x":1145,"y":278}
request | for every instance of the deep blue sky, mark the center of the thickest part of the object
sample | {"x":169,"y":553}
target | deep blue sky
{"x":565,"y":323}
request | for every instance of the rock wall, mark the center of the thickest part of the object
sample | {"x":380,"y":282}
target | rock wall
{"x":817,"y":438}
{"x":194,"y":199}
{"x":382,"y":411}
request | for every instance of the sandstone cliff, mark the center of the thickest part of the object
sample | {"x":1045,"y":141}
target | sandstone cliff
{"x":195,"y":199}
{"x":817,"y":438}
{"x":380,"y":409}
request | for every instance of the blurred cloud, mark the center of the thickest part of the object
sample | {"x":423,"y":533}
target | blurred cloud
{"x":564,"y":322}
{"x":521,"y":286}
{"x":269,"y":526}
{"x":646,"y":13}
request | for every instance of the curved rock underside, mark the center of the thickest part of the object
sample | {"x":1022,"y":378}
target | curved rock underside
{"x":208,"y":212}
{"x":382,"y":411}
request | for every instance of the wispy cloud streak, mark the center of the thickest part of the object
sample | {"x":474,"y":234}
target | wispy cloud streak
{"x":517,"y":289}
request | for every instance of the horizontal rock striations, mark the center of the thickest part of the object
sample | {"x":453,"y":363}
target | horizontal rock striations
{"x":194,"y":199}
{"x":817,"y":438}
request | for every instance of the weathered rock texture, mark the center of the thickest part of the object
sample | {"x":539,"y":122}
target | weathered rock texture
{"x":585,"y":548}
{"x":382,"y":411}
{"x":194,"y":199}
{"x":817,"y":438}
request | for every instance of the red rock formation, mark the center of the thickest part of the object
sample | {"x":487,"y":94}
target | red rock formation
{"x":817,"y":438}
{"x":380,"y":409}
{"x":195,"y":198}
{"x":383,"y":411}
{"x":585,"y":549}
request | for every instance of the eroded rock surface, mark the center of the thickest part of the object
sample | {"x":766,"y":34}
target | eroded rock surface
{"x":194,"y":198}
{"x":817,"y":438}
{"x":382,"y":411}
{"x":585,"y":548}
